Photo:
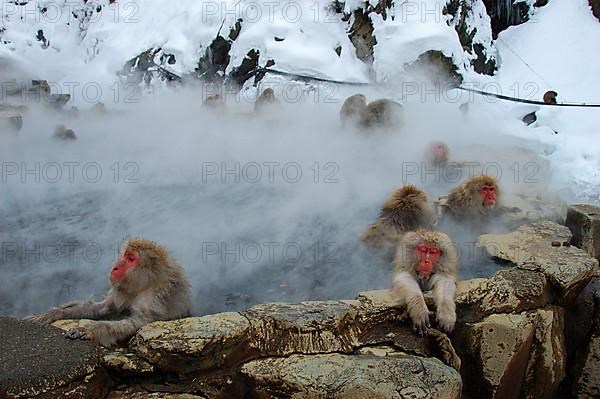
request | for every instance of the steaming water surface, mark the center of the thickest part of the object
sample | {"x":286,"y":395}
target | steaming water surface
{"x":187,"y":178}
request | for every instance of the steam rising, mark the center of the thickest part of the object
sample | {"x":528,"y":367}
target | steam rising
{"x":166,"y":149}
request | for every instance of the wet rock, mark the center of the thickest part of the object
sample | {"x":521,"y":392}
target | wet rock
{"x":140,"y":393}
{"x":529,"y":247}
{"x":587,"y":385}
{"x":281,"y":329}
{"x":584,"y":222}
{"x":37,"y":360}
{"x":507,"y":291}
{"x":505,"y":13}
{"x":373,"y":373}
{"x":513,"y":355}
{"x":124,"y":363}
{"x":439,"y":68}
{"x":195,"y":343}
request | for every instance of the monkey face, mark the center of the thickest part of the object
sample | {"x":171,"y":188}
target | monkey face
{"x":488,"y":195}
{"x":427,"y":257}
{"x":127,"y":263}
{"x":439,"y":152}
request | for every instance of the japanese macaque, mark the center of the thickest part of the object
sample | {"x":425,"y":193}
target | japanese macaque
{"x":353,"y":110}
{"x":407,"y":208}
{"x":426,"y":260}
{"x":379,"y":113}
{"x":213,"y":100}
{"x":476,"y":198}
{"x":147,"y":285}
{"x":437,"y":153}
{"x":266,"y":98}
{"x":61,"y":132}
{"x":383,"y":113}
{"x":550,"y":97}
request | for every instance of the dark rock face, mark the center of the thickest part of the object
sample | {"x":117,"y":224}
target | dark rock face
{"x":438,"y":67}
{"x":505,"y":13}
{"x":361,"y":36}
{"x":37,"y":361}
{"x":595,"y":4}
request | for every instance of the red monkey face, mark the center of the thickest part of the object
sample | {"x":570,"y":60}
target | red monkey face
{"x":129,"y":260}
{"x":427,"y":256}
{"x":439,"y":152}
{"x":488,"y":195}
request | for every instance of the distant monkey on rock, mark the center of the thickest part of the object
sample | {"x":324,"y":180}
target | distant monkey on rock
{"x":266,"y":98}
{"x":147,"y":285}
{"x":353,"y":110}
{"x":62,"y":133}
{"x":550,"y":97}
{"x":382,"y":113}
{"x":426,"y":260}
{"x":407,"y":208}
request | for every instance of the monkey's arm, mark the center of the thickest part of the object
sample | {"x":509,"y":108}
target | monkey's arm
{"x":76,"y":310}
{"x":444,"y":288}
{"x":407,"y":290}
{"x":145,"y":310}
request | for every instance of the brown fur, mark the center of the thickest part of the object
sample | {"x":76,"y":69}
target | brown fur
{"x":61,"y":132}
{"x":157,"y":289}
{"x":550,"y":97}
{"x":266,"y":98}
{"x":213,"y":100}
{"x":382,"y":113}
{"x":353,"y":110}
{"x":407,"y":208}
{"x":465,"y":200}
{"x":435,"y":159}
{"x":407,"y":284}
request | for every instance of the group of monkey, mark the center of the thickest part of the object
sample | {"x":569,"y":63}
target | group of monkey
{"x":148,"y":284}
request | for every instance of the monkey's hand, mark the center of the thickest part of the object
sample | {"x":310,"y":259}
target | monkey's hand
{"x":79,"y":333}
{"x":422,"y":323}
{"x":446,"y":321}
{"x":48,"y":317}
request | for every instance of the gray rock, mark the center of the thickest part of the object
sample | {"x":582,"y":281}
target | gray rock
{"x":38,"y":360}
{"x":375,"y":373}
{"x":530,"y":247}
{"x":584,"y":222}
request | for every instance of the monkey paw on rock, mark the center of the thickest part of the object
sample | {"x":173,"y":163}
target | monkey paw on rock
{"x":446,"y":322}
{"x":79,"y":333}
{"x":422,"y":323}
{"x":46,"y":318}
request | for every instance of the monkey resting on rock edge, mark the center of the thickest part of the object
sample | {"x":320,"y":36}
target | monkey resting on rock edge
{"x":147,"y":285}
{"x":426,"y":260}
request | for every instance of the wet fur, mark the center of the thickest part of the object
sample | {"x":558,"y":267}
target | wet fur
{"x":157,"y":289}
{"x":407,"y":284}
{"x":407,"y":208}
{"x":465,"y":200}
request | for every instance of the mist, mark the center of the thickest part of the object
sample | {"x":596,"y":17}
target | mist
{"x":256,"y":208}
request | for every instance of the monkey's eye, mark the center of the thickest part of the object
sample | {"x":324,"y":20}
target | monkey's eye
{"x":130,"y":256}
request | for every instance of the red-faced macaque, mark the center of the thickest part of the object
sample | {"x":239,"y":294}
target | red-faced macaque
{"x":407,"y":208}
{"x":426,"y":260}
{"x":61,"y":132}
{"x":437,"y":153}
{"x":353,"y":110}
{"x":147,"y":285}
{"x":383,"y":113}
{"x":474,"y":199}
